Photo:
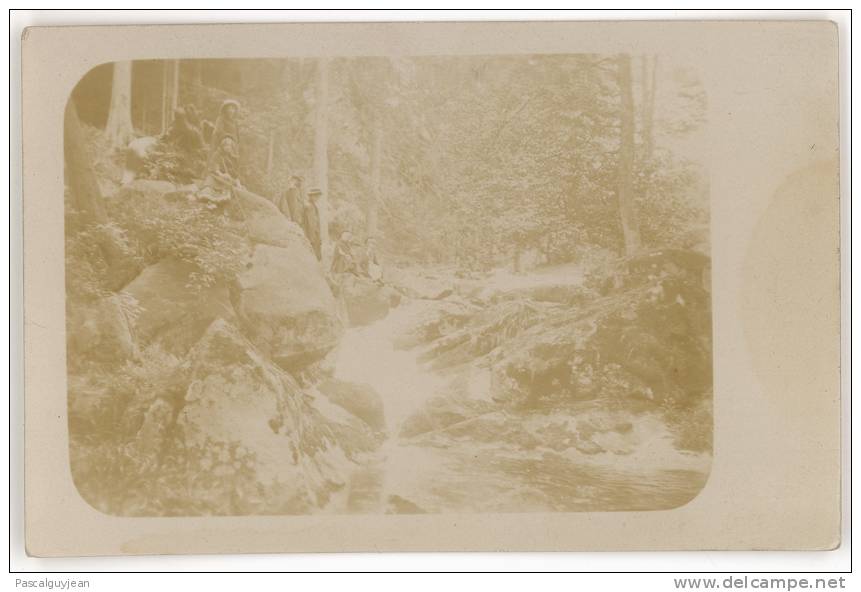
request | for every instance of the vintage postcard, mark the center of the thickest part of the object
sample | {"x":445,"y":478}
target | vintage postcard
{"x":432,"y":286}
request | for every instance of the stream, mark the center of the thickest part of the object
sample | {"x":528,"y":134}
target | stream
{"x":443,"y":473}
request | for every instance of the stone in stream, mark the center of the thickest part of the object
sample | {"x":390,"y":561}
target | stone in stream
{"x":359,"y":399}
{"x":366,"y":301}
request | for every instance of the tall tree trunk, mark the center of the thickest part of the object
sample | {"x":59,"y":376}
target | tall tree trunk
{"x":170,"y":92}
{"x":119,"y":128}
{"x":649,"y":76}
{"x":321,"y":147}
{"x":627,"y":208}
{"x":80,"y":177}
{"x":376,"y":166}
{"x":164,"y":96}
{"x":174,"y":87}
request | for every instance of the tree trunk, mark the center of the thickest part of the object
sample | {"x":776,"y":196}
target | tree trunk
{"x":376,"y":166}
{"x":164,"y":96}
{"x":174,"y":87}
{"x":321,"y":147}
{"x":627,"y":207}
{"x":119,"y":129}
{"x":649,"y":75}
{"x":80,"y":177}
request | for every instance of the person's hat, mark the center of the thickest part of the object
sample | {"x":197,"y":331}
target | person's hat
{"x":315,"y":191}
{"x":225,"y":104}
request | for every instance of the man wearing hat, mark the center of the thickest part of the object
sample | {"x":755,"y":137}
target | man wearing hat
{"x":311,"y":222}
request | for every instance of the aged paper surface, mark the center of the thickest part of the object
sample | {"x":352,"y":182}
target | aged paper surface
{"x":486,"y":286}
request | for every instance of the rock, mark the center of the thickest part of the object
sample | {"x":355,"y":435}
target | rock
{"x":266,"y":224}
{"x":173,"y":313}
{"x":286,"y":307}
{"x":400,"y":505}
{"x":249,"y":423}
{"x":647,"y":342}
{"x":100,"y":332}
{"x":420,"y":284}
{"x":359,"y":399}
{"x":366,"y":301}
{"x":444,"y":412}
{"x":435,"y":320}
{"x":153,"y":434}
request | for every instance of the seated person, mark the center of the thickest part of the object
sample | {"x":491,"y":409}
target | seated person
{"x":343,"y":260}
{"x":223,"y":172}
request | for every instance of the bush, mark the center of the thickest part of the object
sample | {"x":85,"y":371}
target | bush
{"x":197,"y":232}
{"x":166,"y":162}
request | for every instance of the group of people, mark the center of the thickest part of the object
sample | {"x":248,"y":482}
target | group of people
{"x":303,"y":208}
{"x":219,"y":145}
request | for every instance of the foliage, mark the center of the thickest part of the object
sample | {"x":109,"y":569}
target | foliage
{"x":166,"y":162}
{"x":87,"y":269}
{"x":193,"y":231}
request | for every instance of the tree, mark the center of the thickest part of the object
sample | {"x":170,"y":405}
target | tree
{"x":321,"y":147}
{"x":80,"y":177}
{"x":119,"y":129}
{"x":625,"y":189}
{"x":170,"y":92}
{"x":649,"y":73}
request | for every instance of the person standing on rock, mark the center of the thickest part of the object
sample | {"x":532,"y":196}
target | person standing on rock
{"x":292,"y":203}
{"x":311,"y":222}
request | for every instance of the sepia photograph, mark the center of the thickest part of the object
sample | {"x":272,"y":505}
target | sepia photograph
{"x":427,"y":288}
{"x":388,"y":285}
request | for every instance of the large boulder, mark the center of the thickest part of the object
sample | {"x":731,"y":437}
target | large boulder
{"x":286,"y":307}
{"x":172,"y":313}
{"x":248,"y":425}
{"x":265,"y":223}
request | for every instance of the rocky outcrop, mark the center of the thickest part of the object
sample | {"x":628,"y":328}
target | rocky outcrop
{"x":648,"y":340}
{"x":576,"y":367}
{"x":207,"y":414}
{"x":250,"y":422}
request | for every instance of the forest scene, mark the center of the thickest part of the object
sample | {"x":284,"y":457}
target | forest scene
{"x":388,"y":285}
